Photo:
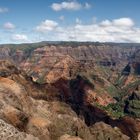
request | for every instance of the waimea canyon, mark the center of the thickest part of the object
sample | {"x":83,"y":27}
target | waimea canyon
{"x":70,"y":91}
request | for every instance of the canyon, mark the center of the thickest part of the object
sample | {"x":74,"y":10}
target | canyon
{"x":70,"y":91}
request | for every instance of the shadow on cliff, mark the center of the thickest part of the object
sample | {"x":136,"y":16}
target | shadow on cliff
{"x":72,"y":92}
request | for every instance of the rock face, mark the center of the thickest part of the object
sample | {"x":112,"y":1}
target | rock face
{"x":8,"y":132}
{"x":133,"y":127}
{"x":57,"y":55}
{"x":39,"y":59}
{"x":102,"y":131}
{"x":63,"y":69}
{"x":136,"y":62}
{"x":68,"y":137}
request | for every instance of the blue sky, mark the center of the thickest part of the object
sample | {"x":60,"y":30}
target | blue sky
{"x":75,"y":20}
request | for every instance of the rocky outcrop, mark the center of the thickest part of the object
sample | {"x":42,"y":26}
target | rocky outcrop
{"x":68,"y":137}
{"x":8,"y":132}
{"x":102,"y":131}
{"x":129,"y":126}
{"x":64,"y":69}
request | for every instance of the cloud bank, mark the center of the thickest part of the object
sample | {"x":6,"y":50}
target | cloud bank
{"x":117,"y":30}
{"x":72,"y":5}
{"x":47,"y":25}
{"x":9,"y":26}
{"x":20,"y":38}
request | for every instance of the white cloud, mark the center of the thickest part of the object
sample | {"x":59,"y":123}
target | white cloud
{"x":72,"y":5}
{"x":123,"y":22}
{"x":19,"y":37}
{"x":106,"y":23}
{"x":47,"y":25}
{"x":3,"y":10}
{"x":117,"y":30}
{"x":9,"y":26}
{"x":62,"y":17}
{"x":87,"y":6}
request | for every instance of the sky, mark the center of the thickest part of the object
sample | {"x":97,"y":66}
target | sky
{"x":69,"y":20}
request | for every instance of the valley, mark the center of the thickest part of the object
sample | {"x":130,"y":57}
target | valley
{"x":70,"y":91}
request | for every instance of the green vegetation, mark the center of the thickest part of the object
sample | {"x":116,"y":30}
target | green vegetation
{"x":41,"y":80}
{"x":96,"y":78}
{"x":115,"y":110}
{"x":120,"y":81}
{"x":113,"y":91}
{"x":133,"y":105}
{"x":132,"y":85}
{"x":105,"y":72}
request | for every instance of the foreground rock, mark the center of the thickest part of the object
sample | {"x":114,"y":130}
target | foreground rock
{"x":102,"y":131}
{"x":8,"y":132}
{"x":68,"y":137}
